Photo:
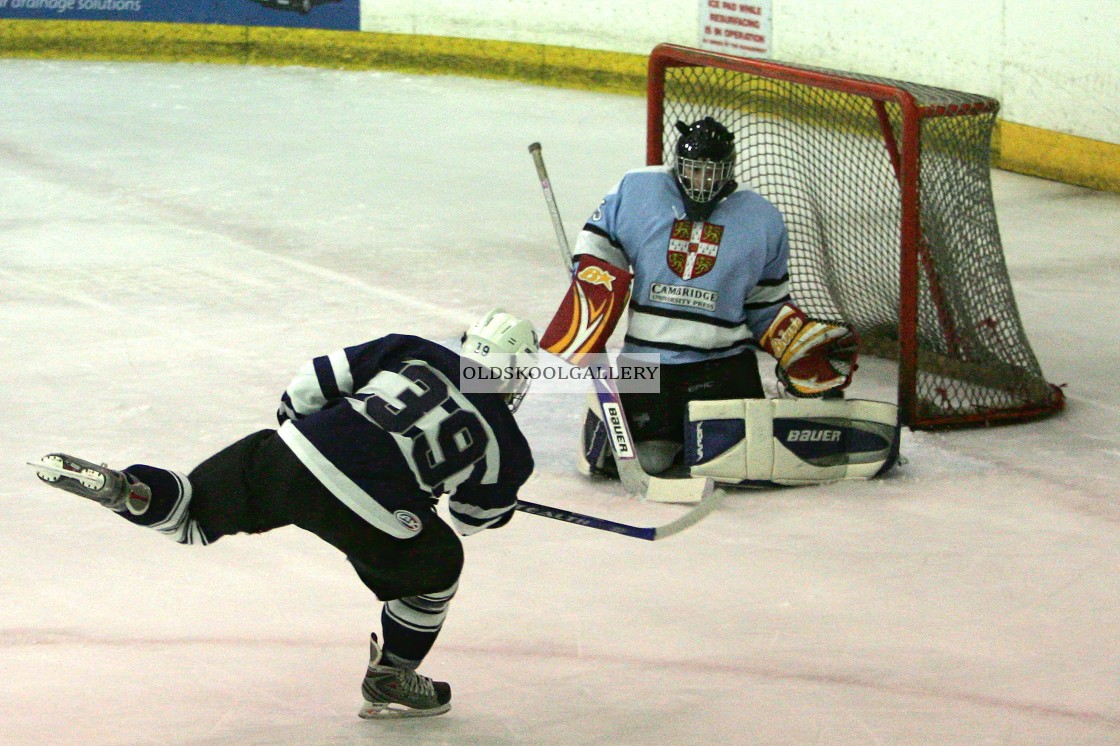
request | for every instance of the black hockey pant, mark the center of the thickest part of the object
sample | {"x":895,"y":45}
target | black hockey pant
{"x":662,"y":415}
{"x":257,"y":484}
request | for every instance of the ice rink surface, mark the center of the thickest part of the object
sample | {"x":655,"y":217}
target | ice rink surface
{"x":175,"y":240}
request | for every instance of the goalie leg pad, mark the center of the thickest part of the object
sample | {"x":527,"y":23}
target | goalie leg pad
{"x":791,"y":441}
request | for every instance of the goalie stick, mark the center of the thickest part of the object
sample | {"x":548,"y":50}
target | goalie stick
{"x":553,"y":210}
{"x":707,"y":503}
{"x":634,"y":479}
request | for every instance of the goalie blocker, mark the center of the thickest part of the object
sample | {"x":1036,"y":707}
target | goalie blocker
{"x":762,"y":442}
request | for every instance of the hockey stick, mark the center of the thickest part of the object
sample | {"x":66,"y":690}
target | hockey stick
{"x":630,"y":472}
{"x":553,"y":210}
{"x":634,"y":479}
{"x":707,"y":503}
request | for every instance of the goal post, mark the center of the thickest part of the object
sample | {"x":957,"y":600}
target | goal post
{"x":885,"y":187}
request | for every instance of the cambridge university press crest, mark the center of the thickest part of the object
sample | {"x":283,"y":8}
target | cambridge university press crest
{"x":693,"y":245}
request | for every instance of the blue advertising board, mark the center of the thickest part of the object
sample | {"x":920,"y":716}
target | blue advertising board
{"x":323,"y":14}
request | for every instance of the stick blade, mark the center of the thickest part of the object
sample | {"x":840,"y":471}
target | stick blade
{"x":693,"y":516}
{"x":686,"y":491}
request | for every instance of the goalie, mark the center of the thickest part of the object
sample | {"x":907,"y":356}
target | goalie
{"x":702,"y":267}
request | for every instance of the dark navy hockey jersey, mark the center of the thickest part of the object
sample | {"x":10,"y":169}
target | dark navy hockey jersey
{"x":384,"y":426}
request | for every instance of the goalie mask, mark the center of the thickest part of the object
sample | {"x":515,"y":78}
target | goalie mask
{"x":704,"y":165}
{"x":506,"y":347}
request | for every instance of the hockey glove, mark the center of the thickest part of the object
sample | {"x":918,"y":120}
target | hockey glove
{"x":589,"y":312}
{"x":813,"y":356}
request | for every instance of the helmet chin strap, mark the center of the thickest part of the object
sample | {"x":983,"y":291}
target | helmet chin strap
{"x":703,"y":210}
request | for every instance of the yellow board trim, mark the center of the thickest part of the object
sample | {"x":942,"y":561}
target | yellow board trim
{"x":1016,"y":147}
{"x":567,"y":67}
{"x":1057,"y":156}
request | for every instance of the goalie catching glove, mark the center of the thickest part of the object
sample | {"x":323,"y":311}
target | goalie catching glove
{"x":813,"y":356}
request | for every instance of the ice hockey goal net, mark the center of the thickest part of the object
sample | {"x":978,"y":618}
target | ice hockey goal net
{"x":886,"y":191}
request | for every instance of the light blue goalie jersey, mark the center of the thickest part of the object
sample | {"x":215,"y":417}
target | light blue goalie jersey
{"x":702,"y":289}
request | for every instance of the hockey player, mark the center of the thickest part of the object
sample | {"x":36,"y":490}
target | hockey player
{"x":370,"y":436}
{"x":703,"y":268}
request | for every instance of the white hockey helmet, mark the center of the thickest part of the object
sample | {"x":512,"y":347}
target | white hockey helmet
{"x":510,"y":344}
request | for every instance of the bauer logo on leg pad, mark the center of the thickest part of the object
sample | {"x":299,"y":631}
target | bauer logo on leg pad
{"x":830,"y":442}
{"x":810,"y":435}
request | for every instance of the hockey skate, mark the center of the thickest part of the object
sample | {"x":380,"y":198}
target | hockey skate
{"x":115,"y":490}
{"x":390,"y":692}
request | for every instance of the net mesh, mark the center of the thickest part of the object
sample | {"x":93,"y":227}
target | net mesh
{"x":824,"y":158}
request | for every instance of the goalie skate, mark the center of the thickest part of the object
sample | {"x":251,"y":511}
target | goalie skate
{"x":390,"y":692}
{"x":114,"y":489}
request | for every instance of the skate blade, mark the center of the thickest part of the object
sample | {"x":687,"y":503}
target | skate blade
{"x":49,"y":472}
{"x":388,"y":711}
